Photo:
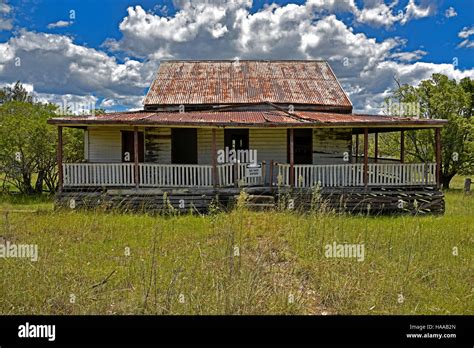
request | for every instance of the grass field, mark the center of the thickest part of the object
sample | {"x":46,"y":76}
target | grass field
{"x":236,"y":263}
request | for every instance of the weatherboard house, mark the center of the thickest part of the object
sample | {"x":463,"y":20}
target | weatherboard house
{"x":210,"y":129}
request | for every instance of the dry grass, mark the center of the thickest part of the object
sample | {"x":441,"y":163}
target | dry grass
{"x":237,"y":263}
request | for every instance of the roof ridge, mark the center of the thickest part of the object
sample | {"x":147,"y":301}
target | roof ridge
{"x":244,"y":60}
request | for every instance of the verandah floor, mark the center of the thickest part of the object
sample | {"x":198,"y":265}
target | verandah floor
{"x":371,"y":200}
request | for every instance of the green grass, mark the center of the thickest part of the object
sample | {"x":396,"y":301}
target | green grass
{"x":21,"y":202}
{"x":237,"y":263}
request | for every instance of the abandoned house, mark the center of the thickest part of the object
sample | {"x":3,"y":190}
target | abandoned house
{"x":210,"y":129}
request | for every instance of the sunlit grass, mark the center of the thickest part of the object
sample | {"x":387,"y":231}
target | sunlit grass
{"x":237,"y":263}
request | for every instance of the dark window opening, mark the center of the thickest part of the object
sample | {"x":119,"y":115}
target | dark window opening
{"x":303,"y":146}
{"x":184,"y":149}
{"x":128,"y":152}
{"x":236,"y":138}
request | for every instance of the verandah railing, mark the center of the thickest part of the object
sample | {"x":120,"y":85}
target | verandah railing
{"x":350,"y":175}
{"x":154,"y":175}
{"x":98,"y":174}
{"x":175,"y":175}
{"x":226,"y":175}
{"x":184,"y":175}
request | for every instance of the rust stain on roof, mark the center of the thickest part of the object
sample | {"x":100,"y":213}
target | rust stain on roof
{"x":244,"y":82}
{"x":260,"y":118}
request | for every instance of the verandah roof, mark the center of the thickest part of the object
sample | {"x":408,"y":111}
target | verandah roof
{"x":261,"y":118}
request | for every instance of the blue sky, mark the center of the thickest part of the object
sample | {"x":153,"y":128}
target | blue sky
{"x":108,"y":51}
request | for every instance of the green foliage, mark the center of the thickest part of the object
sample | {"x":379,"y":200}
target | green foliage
{"x":15,"y":93}
{"x":438,"y":98}
{"x":28,"y":146}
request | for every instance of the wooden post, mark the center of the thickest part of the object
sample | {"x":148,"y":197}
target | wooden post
{"x":236,"y":173}
{"x":357,"y":148}
{"x":135,"y":157}
{"x":366,"y":156}
{"x":292,"y":157}
{"x":402,"y":147}
{"x":467,"y":185}
{"x":59,"y":158}
{"x":270,"y":174}
{"x":376,"y":152}
{"x":214,"y":158}
{"x":438,"y":155}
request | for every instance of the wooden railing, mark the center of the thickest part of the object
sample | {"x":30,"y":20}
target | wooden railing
{"x":402,"y":174}
{"x":283,"y":174}
{"x":193,"y":175}
{"x":98,"y":174}
{"x":349,"y":175}
{"x":226,"y":175}
{"x":175,"y":175}
{"x":331,"y":175}
{"x":154,"y":175}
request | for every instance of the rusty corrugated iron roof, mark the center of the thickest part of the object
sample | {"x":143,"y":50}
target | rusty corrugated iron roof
{"x":246,"y":82}
{"x":260,"y":118}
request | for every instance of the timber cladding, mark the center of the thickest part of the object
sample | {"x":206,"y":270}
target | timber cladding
{"x":374,"y":201}
{"x":158,"y":145}
{"x":329,"y":145}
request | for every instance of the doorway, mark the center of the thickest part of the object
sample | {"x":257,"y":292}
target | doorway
{"x":303,"y":146}
{"x":237,"y":139}
{"x":128,"y":151}
{"x":184,"y":149}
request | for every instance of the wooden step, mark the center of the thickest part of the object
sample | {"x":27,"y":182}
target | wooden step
{"x":259,"y":206}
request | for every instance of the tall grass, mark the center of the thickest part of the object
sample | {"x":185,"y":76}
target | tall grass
{"x":237,"y":263}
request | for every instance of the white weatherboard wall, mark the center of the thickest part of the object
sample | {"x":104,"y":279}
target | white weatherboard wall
{"x":269,"y":143}
{"x":329,"y":145}
{"x":204,"y":138}
{"x":158,"y":145}
{"x":104,"y":144}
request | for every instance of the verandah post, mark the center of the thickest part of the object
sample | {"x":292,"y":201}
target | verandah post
{"x":357,"y":148}
{"x":292,"y":157}
{"x":270,"y":175}
{"x":376,"y":151}
{"x":135,"y":157}
{"x":214,"y":159}
{"x":438,"y":155}
{"x":402,"y":147}
{"x":59,"y":158}
{"x":366,"y":156}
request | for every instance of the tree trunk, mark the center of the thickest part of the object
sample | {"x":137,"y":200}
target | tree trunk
{"x":39,"y":183}
{"x":26,"y":187}
{"x":445,"y":180}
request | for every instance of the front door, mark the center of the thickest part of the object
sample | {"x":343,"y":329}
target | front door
{"x":184,"y":146}
{"x":128,"y":152}
{"x":237,"y":139}
{"x":303,"y":146}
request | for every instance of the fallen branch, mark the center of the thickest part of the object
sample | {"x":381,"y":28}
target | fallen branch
{"x":104,"y":281}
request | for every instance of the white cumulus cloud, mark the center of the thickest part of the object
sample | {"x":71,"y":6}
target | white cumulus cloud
{"x":450,"y":12}
{"x":59,"y":24}
{"x":366,"y":66}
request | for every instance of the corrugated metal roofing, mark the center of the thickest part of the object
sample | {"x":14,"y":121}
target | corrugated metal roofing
{"x":262,"y":118}
{"x":246,"y":82}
